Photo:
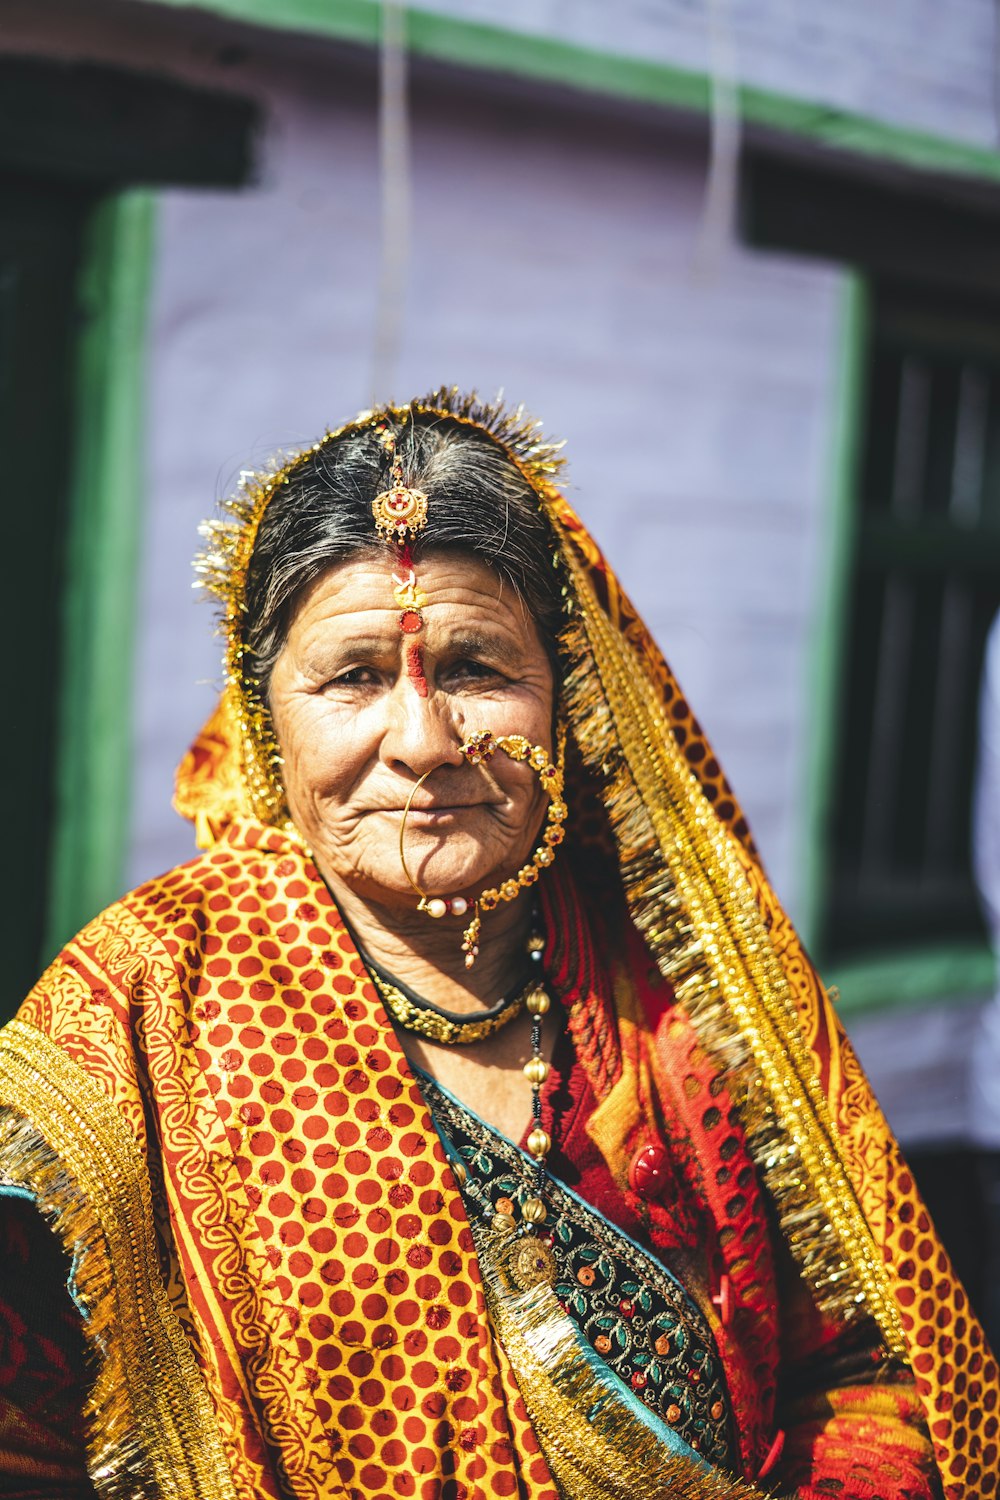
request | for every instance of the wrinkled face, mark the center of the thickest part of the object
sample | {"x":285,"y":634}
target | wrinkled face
{"x":357,"y":731}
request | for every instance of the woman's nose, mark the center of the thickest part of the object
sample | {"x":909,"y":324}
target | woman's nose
{"x":421,"y":732}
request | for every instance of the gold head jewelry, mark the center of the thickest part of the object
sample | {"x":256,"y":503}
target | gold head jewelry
{"x":480,"y":747}
{"x":223,"y":565}
{"x":399,"y":512}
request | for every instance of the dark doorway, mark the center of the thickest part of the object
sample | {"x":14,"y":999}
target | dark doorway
{"x":71,"y":136}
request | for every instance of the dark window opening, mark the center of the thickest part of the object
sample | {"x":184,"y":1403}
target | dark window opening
{"x":924,"y":587}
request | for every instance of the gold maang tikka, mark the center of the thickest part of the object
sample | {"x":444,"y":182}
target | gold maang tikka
{"x":399,"y":511}
{"x":476,"y":749}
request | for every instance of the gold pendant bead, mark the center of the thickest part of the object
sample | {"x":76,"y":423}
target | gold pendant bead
{"x":504,"y":1223}
{"x":534,"y":1211}
{"x":539,"y":1143}
{"x":399,"y":512}
{"x":536,"y":1070}
{"x":538,"y":1005}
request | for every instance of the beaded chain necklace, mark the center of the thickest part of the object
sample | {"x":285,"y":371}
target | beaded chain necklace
{"x":414,"y":1014}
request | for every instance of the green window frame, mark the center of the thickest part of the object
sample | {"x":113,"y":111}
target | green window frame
{"x":923,"y":591}
{"x":914,"y":582}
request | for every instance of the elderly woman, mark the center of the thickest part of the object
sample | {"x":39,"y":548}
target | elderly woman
{"x":466,"y":1120}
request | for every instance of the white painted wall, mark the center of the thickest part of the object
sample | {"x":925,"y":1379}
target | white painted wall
{"x":555,"y":260}
{"x":925,"y":65}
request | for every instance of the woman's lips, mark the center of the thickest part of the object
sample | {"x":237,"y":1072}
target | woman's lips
{"x":428,"y":811}
{"x":436,"y":810}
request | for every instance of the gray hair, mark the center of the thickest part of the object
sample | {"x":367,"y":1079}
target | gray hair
{"x":480,"y":504}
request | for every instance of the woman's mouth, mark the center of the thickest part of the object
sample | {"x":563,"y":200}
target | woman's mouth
{"x":436,"y":810}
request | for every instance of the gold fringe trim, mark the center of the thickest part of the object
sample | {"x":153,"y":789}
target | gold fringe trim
{"x":151,"y":1427}
{"x":689,"y":895}
{"x":595,"y":1446}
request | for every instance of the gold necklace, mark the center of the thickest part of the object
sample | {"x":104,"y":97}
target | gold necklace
{"x":415,"y":1014}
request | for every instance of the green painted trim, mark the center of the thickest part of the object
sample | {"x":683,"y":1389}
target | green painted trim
{"x":828,"y":630}
{"x":337,"y":20}
{"x":954,"y":971}
{"x":545,"y":59}
{"x":94,"y":772}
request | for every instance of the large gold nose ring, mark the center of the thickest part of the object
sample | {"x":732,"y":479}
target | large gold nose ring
{"x":480,"y":747}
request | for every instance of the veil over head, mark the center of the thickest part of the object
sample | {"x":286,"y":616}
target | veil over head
{"x":655,"y":818}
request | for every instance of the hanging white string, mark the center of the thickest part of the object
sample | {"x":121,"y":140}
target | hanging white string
{"x":394,"y":179}
{"x":718,"y":215}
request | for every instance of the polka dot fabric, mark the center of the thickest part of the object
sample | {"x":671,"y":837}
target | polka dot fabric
{"x":363,"y":1362}
{"x":956,"y":1374}
{"x":325,"y":1269}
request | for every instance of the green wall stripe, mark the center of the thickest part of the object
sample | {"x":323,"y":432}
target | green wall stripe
{"x":95,"y":720}
{"x":549,"y":60}
{"x":953,"y":971}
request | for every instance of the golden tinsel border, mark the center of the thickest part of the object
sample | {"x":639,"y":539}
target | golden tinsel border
{"x":221,"y":567}
{"x":597,"y":1447}
{"x":151,"y":1428}
{"x":689,"y":896}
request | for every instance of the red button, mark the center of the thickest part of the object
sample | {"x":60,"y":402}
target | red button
{"x":649,"y":1172}
{"x":723,"y":1300}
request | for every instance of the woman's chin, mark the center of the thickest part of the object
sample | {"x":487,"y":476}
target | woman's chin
{"x":440,"y":877}
{"x":458,"y":865}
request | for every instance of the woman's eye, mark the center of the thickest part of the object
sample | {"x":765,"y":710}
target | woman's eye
{"x":475,"y":671}
{"x":354,"y":677}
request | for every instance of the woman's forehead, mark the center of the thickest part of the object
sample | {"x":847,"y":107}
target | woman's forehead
{"x":462,"y":594}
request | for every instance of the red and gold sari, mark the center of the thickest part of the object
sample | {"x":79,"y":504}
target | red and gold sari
{"x":272,"y":1263}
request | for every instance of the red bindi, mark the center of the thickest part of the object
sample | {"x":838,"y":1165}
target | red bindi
{"x":415,"y":669}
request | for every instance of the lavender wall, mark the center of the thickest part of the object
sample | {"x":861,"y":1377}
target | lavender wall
{"x":925,"y":65}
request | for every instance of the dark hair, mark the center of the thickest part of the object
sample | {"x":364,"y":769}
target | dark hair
{"x":480,"y":504}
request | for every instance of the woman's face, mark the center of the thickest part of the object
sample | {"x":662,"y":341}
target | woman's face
{"x":356,"y":733}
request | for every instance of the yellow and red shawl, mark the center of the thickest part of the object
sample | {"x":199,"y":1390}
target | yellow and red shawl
{"x":205,"y":1098}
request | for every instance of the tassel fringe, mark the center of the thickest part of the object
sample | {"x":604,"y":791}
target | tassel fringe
{"x":150,"y":1423}
{"x":748,"y":1025}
